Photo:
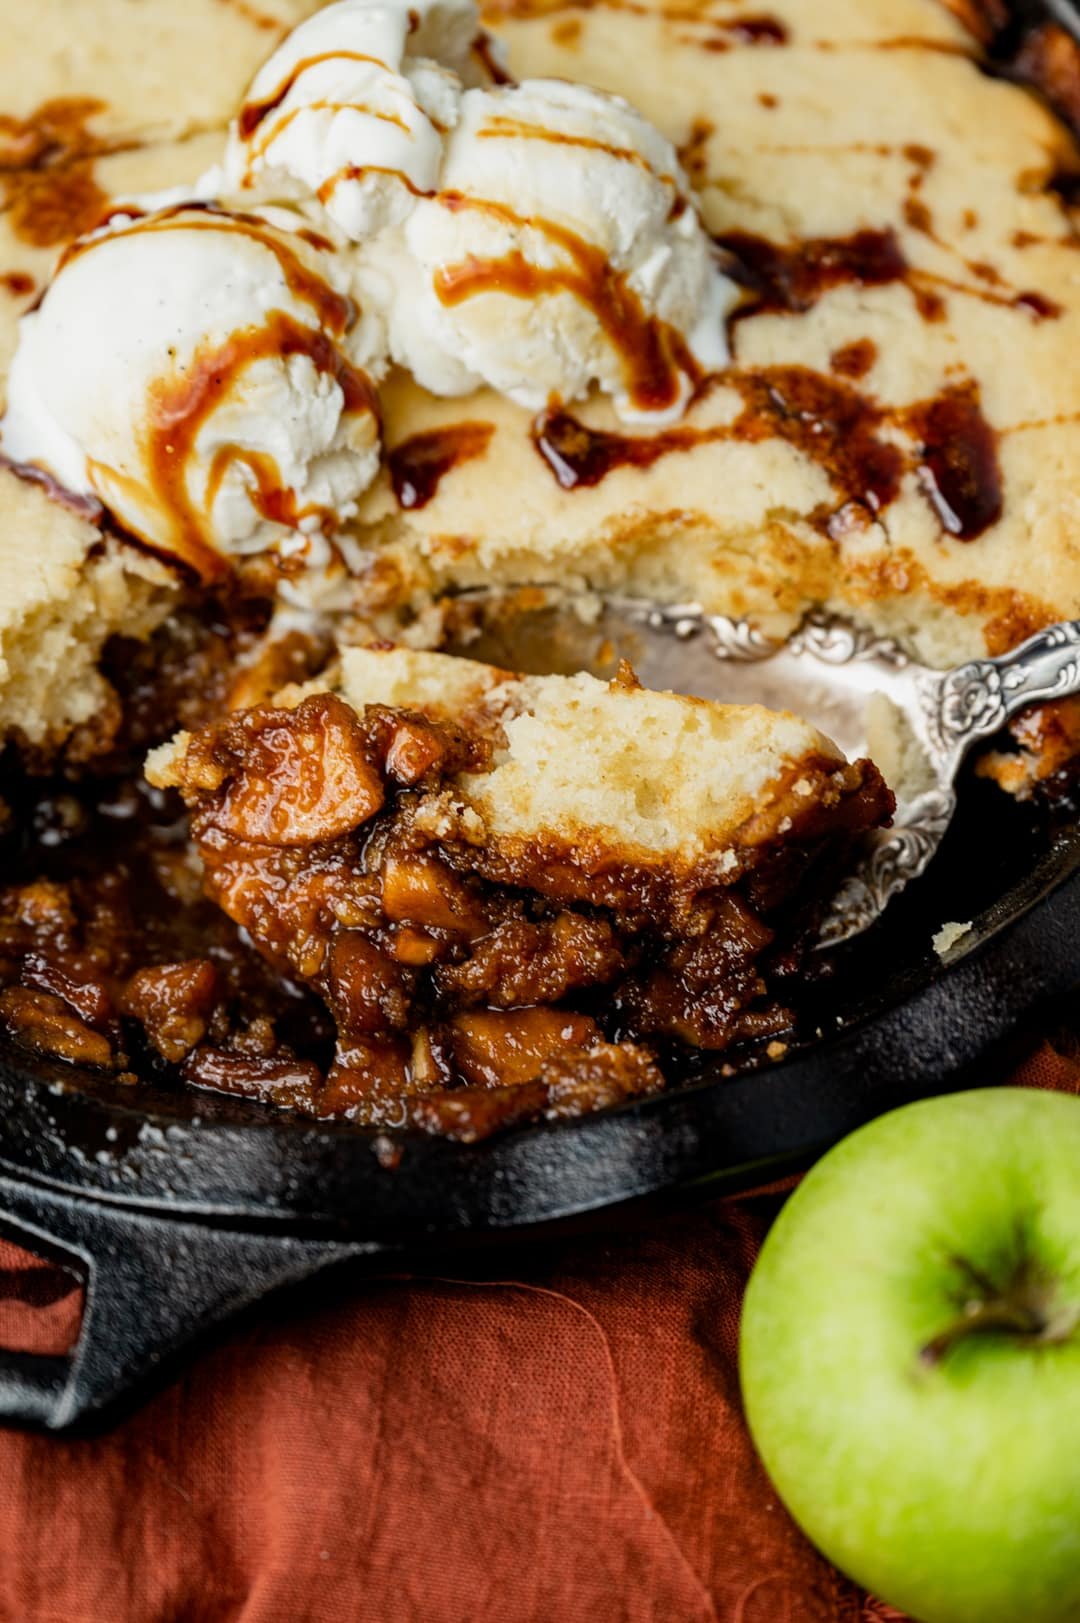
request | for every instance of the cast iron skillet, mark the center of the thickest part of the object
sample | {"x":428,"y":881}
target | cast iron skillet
{"x":178,"y":1208}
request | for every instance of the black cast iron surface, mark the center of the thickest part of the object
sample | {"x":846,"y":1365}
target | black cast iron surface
{"x":179,"y":1207}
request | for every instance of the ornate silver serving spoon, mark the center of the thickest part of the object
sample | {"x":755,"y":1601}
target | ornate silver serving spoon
{"x":863,"y":691}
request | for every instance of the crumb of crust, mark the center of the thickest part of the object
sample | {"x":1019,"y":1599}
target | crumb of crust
{"x":389,"y":1152}
{"x":949,"y":934}
{"x":445,"y":817}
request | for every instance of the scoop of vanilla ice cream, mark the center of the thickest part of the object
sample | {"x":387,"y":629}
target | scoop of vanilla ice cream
{"x":561,"y":249}
{"x":351,"y":109}
{"x":207,"y":378}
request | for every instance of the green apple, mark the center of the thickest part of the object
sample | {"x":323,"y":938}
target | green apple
{"x":910,"y":1357}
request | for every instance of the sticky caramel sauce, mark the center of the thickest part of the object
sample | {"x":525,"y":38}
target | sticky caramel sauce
{"x":833,"y":425}
{"x":55,"y":130}
{"x":913,"y":42}
{"x":181,"y":405}
{"x":46,"y":174}
{"x":252,"y":14}
{"x":854,"y":360}
{"x":482,"y":50}
{"x":824,"y":418}
{"x":566,"y":31}
{"x":744,"y":31}
{"x":253,"y":113}
{"x":1041,"y":307}
{"x":692,"y":152}
{"x":420,"y":463}
{"x":1037,"y":305}
{"x":85,"y":507}
{"x":760,"y":30}
{"x":18,"y":284}
{"x":47,"y":207}
{"x":993,"y":288}
{"x":578,"y":455}
{"x":790,"y":278}
{"x":959,"y":470}
{"x":654,"y":357}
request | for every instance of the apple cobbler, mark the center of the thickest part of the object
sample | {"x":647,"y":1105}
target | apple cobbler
{"x":314,"y":319}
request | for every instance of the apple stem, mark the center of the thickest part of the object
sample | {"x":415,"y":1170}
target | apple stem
{"x":1025,"y":1308}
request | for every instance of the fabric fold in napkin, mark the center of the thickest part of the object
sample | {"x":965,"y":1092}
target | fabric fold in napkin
{"x":562,"y":1446}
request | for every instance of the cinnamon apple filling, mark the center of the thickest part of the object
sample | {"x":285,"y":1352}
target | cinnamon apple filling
{"x":478,"y":974}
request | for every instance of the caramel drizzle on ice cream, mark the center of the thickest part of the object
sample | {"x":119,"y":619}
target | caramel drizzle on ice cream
{"x":253,"y":113}
{"x":358,"y":171}
{"x":181,"y":405}
{"x":513,"y":129}
{"x":278,"y":128}
{"x":654,"y":355}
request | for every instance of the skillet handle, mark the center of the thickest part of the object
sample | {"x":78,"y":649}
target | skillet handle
{"x":153,"y":1284}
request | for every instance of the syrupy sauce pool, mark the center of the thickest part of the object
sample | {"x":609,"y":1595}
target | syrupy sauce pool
{"x":97,"y":883}
{"x":99,"y":886}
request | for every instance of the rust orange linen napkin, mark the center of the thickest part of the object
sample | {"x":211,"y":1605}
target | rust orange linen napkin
{"x":563,"y":1446}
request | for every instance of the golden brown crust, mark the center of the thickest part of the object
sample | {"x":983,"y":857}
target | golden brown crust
{"x":128,"y":71}
{"x":906,"y":207}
